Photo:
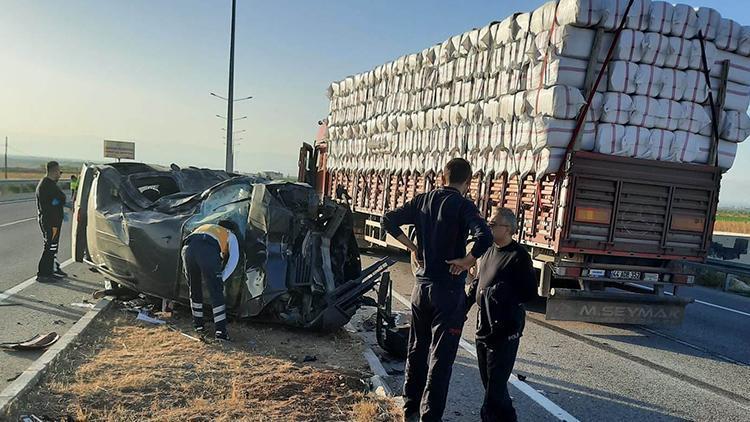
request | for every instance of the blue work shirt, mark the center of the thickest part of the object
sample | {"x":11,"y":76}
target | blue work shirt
{"x":443,"y":219}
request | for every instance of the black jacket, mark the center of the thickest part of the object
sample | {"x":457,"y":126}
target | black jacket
{"x":443,"y":220}
{"x":50,"y":201}
{"x":505,"y":279}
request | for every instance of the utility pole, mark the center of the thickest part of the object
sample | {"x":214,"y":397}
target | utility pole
{"x":6,"y":157}
{"x":230,"y":102}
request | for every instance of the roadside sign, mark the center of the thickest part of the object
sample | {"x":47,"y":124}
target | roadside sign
{"x":119,"y":149}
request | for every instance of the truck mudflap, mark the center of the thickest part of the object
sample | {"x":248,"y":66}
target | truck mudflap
{"x":615,"y":307}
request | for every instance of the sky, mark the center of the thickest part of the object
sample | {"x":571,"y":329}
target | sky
{"x":75,"y":72}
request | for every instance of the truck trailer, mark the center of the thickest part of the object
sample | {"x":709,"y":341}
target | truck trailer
{"x":610,"y":220}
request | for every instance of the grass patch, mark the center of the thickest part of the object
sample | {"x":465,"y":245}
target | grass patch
{"x":128,"y":371}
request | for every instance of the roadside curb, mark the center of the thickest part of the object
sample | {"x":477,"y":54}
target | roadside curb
{"x":31,"y":376}
{"x":378,"y":382}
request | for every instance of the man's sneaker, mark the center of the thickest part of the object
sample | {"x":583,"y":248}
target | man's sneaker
{"x":47,"y":279}
{"x":199,"y":328}
{"x":222,"y":336}
{"x":60,"y":272}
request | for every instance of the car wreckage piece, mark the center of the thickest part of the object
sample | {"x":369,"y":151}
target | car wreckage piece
{"x":300,"y":263}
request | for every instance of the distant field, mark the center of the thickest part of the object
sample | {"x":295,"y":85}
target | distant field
{"x":732,"y":221}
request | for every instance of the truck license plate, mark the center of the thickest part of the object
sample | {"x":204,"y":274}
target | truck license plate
{"x":625,"y":275}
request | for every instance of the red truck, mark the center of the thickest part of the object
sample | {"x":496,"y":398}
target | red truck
{"x":608,"y":234}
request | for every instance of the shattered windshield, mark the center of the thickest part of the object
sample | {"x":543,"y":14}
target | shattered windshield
{"x":230,"y":202}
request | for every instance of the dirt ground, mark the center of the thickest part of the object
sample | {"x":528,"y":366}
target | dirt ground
{"x":125,"y":370}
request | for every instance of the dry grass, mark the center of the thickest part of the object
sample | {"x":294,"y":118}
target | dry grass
{"x":145,"y":373}
{"x":732,"y":226}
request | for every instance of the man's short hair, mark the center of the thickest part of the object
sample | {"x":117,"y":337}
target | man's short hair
{"x":507,"y":216}
{"x":51,"y":165}
{"x":230,"y":225}
{"x":457,"y":170}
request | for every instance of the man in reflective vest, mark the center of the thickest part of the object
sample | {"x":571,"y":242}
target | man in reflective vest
{"x":210,"y":255}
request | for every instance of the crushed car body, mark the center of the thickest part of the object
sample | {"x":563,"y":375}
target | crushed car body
{"x":300,"y":263}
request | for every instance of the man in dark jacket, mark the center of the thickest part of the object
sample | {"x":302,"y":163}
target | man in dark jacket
{"x":443,"y":219}
{"x":505,"y":279}
{"x":50,"y":201}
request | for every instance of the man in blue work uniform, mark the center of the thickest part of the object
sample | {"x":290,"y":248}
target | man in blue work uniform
{"x":50,"y":201}
{"x":210,"y":255}
{"x":443,"y":219}
{"x":505,"y":279}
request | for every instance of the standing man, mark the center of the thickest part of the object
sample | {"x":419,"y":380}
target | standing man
{"x":50,"y":201}
{"x":210,"y":255}
{"x":443,"y":219}
{"x":505,"y":279}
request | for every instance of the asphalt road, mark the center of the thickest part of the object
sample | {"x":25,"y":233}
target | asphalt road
{"x":38,"y":308}
{"x":698,"y":371}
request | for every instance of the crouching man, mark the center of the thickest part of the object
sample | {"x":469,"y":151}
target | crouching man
{"x":505,"y":279}
{"x":210,"y":255}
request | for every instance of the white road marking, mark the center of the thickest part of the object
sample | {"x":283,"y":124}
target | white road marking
{"x":534,"y":395}
{"x":19,"y":287}
{"x":17,"y":222}
{"x":717,"y":306}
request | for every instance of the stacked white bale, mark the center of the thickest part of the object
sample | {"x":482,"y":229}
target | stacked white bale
{"x":506,"y":96}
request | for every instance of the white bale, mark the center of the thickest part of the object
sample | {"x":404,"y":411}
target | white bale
{"x":728,"y":35}
{"x":559,"y":101}
{"x":485,"y":137}
{"x":586,"y":13}
{"x":725,"y":154}
{"x":684,"y":21}
{"x":520,"y":104}
{"x":557,"y":133}
{"x":645,"y":111}
{"x":661,"y":144}
{"x":709,"y":21}
{"x":484,"y":38}
{"x":613,"y":12}
{"x":505,"y":31}
{"x":543,"y":17}
{"x":648,"y":80}
{"x":506,"y":108}
{"x":636,"y":143}
{"x":686,"y":145}
{"x":525,"y":165}
{"x":672,"y":113}
{"x":735,"y":126}
{"x":695,"y":57}
{"x":629,"y":46}
{"x":743,"y":46}
{"x":499,"y":161}
{"x":681,"y":50}
{"x":696,"y":89}
{"x":558,"y":71}
{"x":567,"y":41}
{"x":660,"y":17}
{"x":548,"y":161}
{"x":655,"y":49}
{"x":523,"y":132}
{"x":673,"y":84}
{"x":497,"y":134}
{"x":595,"y":108}
{"x":622,"y":77}
{"x":523,"y":23}
{"x":739,"y":67}
{"x":738,"y":95}
{"x":609,"y":138}
{"x":616,"y":108}
{"x":695,"y":118}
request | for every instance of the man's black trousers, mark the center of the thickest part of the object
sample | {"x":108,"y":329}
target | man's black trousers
{"x":201,"y":260}
{"x":51,"y":236}
{"x":496,"y":361}
{"x":438,"y":314}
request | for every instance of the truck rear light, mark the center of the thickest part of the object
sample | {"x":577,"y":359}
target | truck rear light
{"x":568,"y":271}
{"x":690,"y":223}
{"x":683,"y":278}
{"x":593,"y":215}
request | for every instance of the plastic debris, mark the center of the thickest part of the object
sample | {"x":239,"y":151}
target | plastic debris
{"x":142,"y":316}
{"x":35,"y":343}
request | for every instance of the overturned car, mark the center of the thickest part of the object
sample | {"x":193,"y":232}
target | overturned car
{"x":300,"y":262}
